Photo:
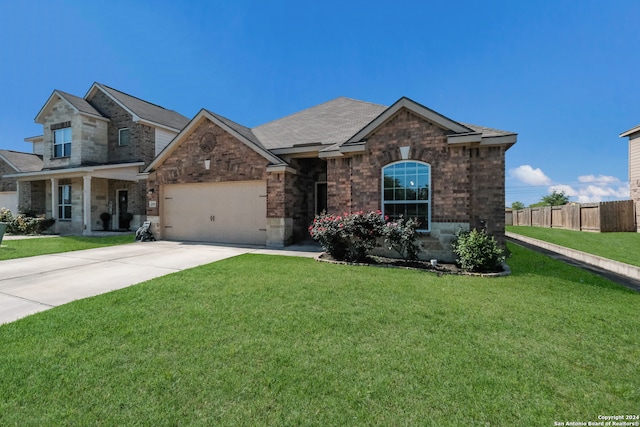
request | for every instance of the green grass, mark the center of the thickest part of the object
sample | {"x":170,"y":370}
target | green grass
{"x":266,"y":340}
{"x":623,"y":247}
{"x":12,"y":249}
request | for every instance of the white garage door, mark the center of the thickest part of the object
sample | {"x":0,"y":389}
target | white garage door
{"x":9,"y":200}
{"x":225,"y":212}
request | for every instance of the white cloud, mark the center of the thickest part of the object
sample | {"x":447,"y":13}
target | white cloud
{"x":597,"y":192}
{"x":601,"y":179}
{"x":529,"y":175}
{"x":561,"y":188}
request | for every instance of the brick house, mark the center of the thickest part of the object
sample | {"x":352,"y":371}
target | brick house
{"x":634,"y":168}
{"x":220,"y":181}
{"x":12,"y":162}
{"x":93,"y":149}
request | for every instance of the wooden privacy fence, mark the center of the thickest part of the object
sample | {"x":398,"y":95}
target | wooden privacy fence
{"x":603,"y":217}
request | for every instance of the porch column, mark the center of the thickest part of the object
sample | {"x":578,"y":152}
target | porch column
{"x":86,"y":205}
{"x":54,"y":200}
{"x":17,"y":206}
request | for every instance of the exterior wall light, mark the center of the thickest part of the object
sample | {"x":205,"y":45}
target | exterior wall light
{"x":207,"y":164}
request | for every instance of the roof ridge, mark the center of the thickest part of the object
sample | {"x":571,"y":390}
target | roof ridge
{"x":226,"y":118}
{"x":134,"y":97}
{"x":67,"y":93}
{"x":316,"y":106}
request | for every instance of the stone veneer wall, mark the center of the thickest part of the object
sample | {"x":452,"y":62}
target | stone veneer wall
{"x":467,"y":184}
{"x":32,"y":196}
{"x":142,"y":141}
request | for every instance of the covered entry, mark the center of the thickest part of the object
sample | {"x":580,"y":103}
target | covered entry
{"x":222,"y":212}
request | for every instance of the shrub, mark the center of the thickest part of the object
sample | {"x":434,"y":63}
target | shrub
{"x":348,"y":237}
{"x":478,"y":252}
{"x":401,"y":237}
{"x":363,"y":230}
{"x":329,"y":231}
{"x":25,"y":224}
{"x":351,"y":236}
{"x":6,"y":215}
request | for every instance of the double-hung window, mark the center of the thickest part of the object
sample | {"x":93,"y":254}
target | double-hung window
{"x":62,"y":142}
{"x":123,"y":136}
{"x":406,"y":192}
{"x":64,"y":202}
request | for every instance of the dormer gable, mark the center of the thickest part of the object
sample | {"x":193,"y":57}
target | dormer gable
{"x":78,"y":106}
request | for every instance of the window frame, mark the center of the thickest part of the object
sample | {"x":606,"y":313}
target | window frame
{"x":64,"y":203}
{"x":120,"y":144}
{"x":427,"y":201}
{"x":64,"y":145}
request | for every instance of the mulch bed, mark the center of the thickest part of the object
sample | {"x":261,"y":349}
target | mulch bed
{"x":439,"y":268}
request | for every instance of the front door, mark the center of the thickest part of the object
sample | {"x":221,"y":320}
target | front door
{"x":123,"y":209}
{"x":321,"y":198}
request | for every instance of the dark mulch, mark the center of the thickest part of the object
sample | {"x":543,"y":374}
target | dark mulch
{"x":380,"y":261}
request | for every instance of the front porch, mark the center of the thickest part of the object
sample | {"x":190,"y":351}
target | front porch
{"x":77,"y":197}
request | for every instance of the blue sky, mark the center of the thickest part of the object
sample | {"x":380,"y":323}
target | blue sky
{"x":564,"y":75}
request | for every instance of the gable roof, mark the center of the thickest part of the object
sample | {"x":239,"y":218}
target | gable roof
{"x":332,"y":122}
{"x":334,"y":127}
{"x":242,"y":133}
{"x":141,"y":109}
{"x":80,"y":105}
{"x":404,"y":102}
{"x":22,"y":162}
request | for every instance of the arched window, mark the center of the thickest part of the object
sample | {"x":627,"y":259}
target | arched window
{"x":406,"y":192}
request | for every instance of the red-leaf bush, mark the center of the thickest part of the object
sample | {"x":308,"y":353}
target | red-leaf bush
{"x":351,"y":236}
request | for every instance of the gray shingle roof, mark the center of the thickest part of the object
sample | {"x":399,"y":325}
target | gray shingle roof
{"x":487,"y":132}
{"x":24,"y":162}
{"x":146,"y":110}
{"x":80,"y":104}
{"x":242,"y":130}
{"x":333,"y":122}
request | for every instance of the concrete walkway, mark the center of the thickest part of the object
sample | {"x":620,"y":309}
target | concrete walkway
{"x":34,"y":284}
{"x":624,"y":274}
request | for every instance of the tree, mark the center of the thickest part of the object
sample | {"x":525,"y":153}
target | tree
{"x":516,"y":206}
{"x":553,"y":199}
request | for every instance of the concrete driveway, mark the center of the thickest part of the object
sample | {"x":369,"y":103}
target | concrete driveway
{"x":30,"y":285}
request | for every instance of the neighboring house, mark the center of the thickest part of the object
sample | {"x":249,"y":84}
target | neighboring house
{"x":12,"y":162}
{"x":220,"y":181}
{"x":634,"y":168}
{"x":93,"y":149}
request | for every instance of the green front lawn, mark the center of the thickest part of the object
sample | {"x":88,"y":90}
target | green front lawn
{"x":267,"y":340}
{"x":11,"y":249}
{"x":623,"y":247}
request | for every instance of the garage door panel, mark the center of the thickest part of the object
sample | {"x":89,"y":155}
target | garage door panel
{"x":216,"y":212}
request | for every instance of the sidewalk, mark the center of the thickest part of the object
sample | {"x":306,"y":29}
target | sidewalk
{"x":618,"y":272}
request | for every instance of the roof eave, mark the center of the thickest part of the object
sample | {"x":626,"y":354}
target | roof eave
{"x":630,"y":132}
{"x":77,"y":170}
{"x":155,"y":124}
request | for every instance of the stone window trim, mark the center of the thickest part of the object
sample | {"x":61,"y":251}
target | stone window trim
{"x":406,"y":191}
{"x":124,"y":137}
{"x":64,"y":202}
